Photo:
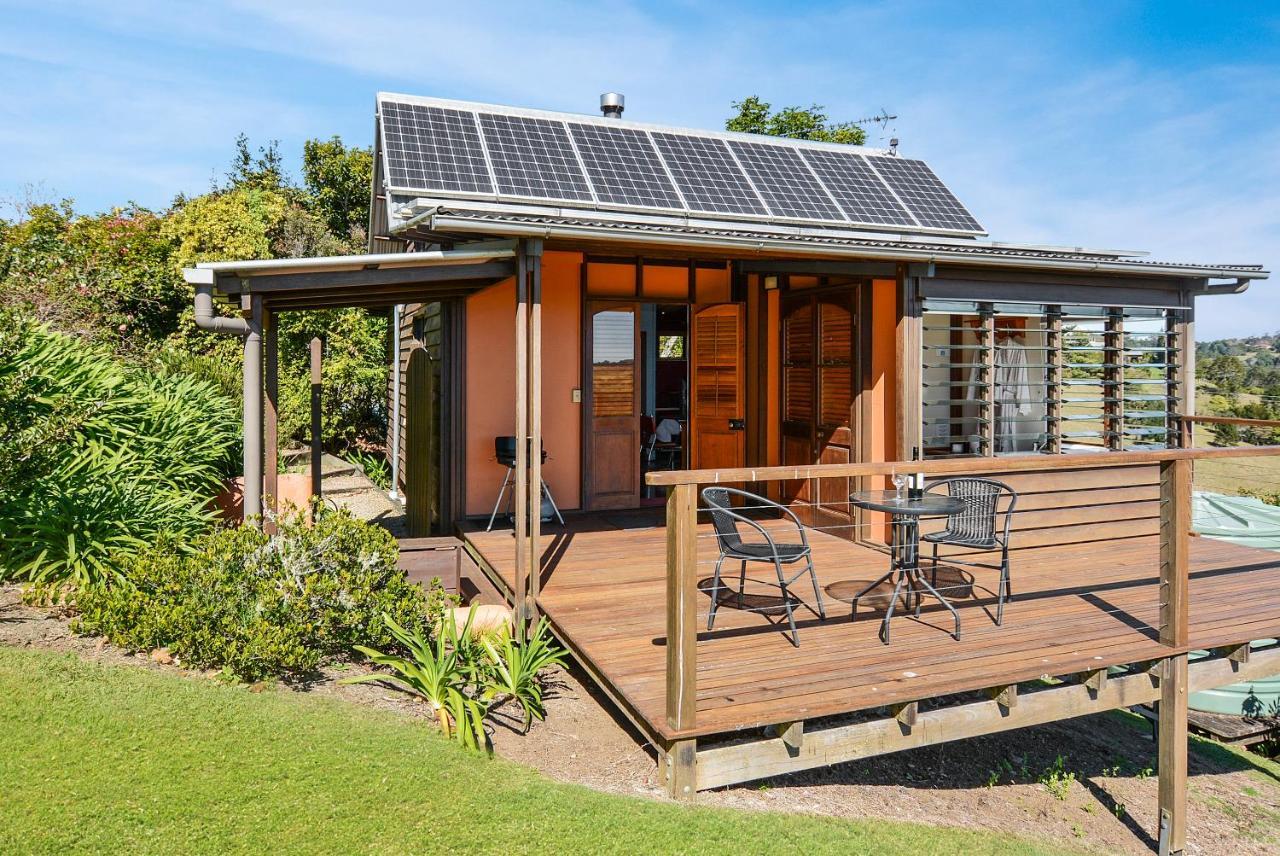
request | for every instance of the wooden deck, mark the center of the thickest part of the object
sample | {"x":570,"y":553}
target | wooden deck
{"x":1075,"y":608}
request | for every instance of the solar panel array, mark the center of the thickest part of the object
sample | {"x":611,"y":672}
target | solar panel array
{"x":604,"y":163}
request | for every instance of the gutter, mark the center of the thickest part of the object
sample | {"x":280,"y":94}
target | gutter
{"x":547,"y":231}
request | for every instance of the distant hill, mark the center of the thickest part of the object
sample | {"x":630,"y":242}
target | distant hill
{"x":1248,"y":348}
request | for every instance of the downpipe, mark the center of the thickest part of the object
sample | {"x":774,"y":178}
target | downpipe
{"x":250,"y":331}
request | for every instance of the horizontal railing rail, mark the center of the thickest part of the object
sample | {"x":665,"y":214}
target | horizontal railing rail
{"x":1030,"y":462}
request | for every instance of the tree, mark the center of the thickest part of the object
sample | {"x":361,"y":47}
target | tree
{"x":1226,"y":373}
{"x":338,"y":179}
{"x":263,"y":171}
{"x":755,"y":116}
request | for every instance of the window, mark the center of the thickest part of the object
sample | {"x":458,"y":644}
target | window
{"x":1010,"y":378}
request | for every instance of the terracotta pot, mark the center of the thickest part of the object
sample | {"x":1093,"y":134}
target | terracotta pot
{"x":291,"y":488}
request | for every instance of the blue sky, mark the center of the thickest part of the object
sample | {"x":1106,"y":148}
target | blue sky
{"x":1123,"y":125}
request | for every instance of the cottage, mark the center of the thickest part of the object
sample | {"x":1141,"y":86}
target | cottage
{"x":660,"y":309}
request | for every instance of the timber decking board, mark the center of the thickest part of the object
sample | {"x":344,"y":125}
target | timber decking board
{"x":1076,"y":607}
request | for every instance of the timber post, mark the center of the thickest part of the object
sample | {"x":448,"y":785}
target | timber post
{"x":682,"y":636}
{"x":317,"y":422}
{"x":532,"y":254}
{"x":520,"y":601}
{"x":1175,"y":533}
{"x":271,"y":415}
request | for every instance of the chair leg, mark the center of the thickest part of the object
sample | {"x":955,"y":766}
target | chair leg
{"x":742,"y":582}
{"x":817,"y":593}
{"x":715,"y":594}
{"x":1004,"y":585}
{"x":506,"y":480}
{"x":788,"y":603}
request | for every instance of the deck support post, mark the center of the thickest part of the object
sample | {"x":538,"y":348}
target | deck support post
{"x":1175,"y":529}
{"x":252,"y":492}
{"x":271,"y":418}
{"x":317,"y":422}
{"x":520,"y":600}
{"x":681,"y":766}
{"x":1239,"y":654}
{"x":682,"y":606}
{"x":1172,"y":756}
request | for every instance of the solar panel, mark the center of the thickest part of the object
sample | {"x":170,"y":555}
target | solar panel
{"x":921,"y":191}
{"x":856,"y":188}
{"x":441,"y":148}
{"x":533,"y":157}
{"x":433,"y":148}
{"x":623,"y":166}
{"x":783,"y":181}
{"x":707,"y":175}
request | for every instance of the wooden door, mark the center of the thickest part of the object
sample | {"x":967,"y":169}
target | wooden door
{"x":817,"y":352}
{"x":798,"y":412}
{"x":613,"y":469}
{"x":718,"y":415}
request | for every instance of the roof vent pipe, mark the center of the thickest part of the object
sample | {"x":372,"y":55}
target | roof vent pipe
{"x":612,"y":105}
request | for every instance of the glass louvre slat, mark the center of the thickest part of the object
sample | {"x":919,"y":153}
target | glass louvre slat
{"x":1123,"y":355}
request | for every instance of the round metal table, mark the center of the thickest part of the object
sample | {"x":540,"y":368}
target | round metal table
{"x":904,"y":567}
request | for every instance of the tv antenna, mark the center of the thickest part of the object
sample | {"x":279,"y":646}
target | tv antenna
{"x":882,"y":119}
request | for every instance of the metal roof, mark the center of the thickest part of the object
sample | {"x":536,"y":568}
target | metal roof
{"x":781,"y":241}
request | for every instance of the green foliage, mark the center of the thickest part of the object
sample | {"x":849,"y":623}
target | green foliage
{"x":261,"y":605}
{"x":464,"y":676}
{"x":106,"y":277}
{"x":1057,"y":779}
{"x":98,"y":460}
{"x":338,"y":179}
{"x":353,"y":404}
{"x":439,"y":673}
{"x":515,"y":667}
{"x":755,"y":116}
{"x":373,"y":466}
{"x":115,"y":278}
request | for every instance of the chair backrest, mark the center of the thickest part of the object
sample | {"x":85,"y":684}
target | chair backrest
{"x":981,"y":497}
{"x":718,"y":502}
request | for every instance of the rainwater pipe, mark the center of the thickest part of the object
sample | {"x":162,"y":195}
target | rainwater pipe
{"x":250,"y":330}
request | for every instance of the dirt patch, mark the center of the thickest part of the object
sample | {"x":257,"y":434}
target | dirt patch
{"x":1100,"y":796}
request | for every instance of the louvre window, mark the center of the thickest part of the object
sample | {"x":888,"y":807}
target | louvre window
{"x":1013,"y":378}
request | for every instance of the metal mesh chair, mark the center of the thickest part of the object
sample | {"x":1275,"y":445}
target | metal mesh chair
{"x":976,"y":527}
{"x":732,"y":546}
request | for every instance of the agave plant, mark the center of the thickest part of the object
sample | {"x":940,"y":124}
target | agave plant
{"x":437,"y":672}
{"x":515,"y":667}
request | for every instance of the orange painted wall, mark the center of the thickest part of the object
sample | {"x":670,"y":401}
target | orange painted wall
{"x":491,"y":384}
{"x":884,"y":323}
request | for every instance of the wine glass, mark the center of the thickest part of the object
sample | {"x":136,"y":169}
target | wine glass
{"x":899,"y":482}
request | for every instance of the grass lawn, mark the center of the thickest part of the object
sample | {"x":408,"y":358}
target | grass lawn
{"x":97,"y":758}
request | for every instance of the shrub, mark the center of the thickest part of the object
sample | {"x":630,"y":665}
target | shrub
{"x":465,"y":676}
{"x":261,"y":606}
{"x":99,"y":459}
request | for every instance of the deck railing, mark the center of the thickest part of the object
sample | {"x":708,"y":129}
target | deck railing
{"x":1175,"y":524}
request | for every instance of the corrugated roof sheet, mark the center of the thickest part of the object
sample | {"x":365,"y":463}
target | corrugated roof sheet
{"x":730,"y":237}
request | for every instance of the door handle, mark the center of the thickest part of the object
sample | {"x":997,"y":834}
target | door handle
{"x":737,"y":424}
